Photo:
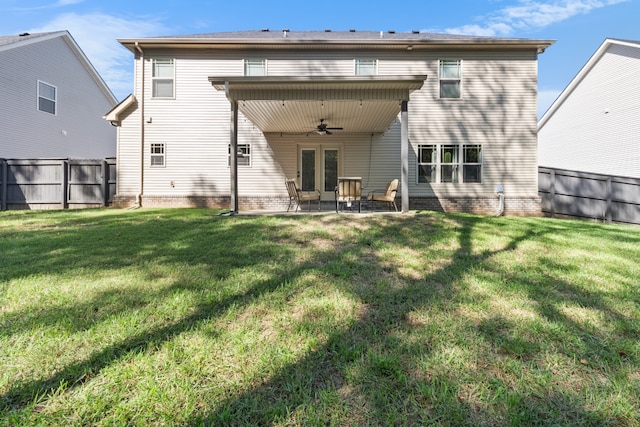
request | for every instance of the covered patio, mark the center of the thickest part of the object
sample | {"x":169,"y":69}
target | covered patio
{"x":323,"y":105}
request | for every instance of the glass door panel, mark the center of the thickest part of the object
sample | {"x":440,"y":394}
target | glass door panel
{"x":308,"y":169}
{"x":319,"y":167}
{"x":330,"y":169}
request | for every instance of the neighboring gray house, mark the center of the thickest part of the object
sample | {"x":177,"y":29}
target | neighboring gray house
{"x":453,"y":117}
{"x":594,"y":125}
{"x":52,"y":100}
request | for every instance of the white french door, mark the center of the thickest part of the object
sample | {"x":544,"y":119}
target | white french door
{"x":318,"y":168}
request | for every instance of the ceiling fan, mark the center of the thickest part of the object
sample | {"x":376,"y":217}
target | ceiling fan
{"x":322,"y":128}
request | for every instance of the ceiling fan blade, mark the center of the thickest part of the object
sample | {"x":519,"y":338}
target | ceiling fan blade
{"x":322,"y":128}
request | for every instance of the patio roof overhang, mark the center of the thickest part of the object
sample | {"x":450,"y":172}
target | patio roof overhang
{"x":295,"y":104}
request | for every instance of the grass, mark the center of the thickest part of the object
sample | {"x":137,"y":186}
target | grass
{"x":182,"y":317}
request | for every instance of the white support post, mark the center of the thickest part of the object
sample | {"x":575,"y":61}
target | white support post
{"x":404,"y":154}
{"x":233,"y":158}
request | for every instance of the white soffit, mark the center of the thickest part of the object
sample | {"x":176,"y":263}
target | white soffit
{"x":297,"y":104}
{"x":304,"y":116}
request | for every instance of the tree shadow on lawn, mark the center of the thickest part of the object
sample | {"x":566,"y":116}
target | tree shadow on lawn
{"x":378,"y":370}
{"x":215,"y":257}
{"x":360,"y":374}
{"x":67,"y":253}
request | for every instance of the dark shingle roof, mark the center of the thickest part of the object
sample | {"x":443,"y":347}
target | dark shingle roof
{"x":6,"y":40}
{"x":327,"y":35}
{"x":338,"y":39}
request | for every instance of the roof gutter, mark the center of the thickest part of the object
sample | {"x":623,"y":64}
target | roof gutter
{"x":194,"y":42}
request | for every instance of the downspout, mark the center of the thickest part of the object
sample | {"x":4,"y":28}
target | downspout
{"x":142,"y":129}
{"x":500,"y":193}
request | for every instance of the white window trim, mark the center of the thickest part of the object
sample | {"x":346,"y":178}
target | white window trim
{"x":356,"y":63}
{"x":455,"y":165}
{"x":264,"y":61}
{"x":55,"y":101}
{"x":420,"y":164}
{"x":440,"y":79}
{"x":480,"y":163}
{"x":247,"y":154}
{"x":163,"y":155}
{"x":172,"y":78}
{"x":460,"y":164}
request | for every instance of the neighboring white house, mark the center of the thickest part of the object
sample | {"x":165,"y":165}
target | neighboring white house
{"x":594,"y":125}
{"x":52,"y":100}
{"x":453,"y":117}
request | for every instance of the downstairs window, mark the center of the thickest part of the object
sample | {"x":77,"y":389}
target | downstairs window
{"x":449,"y":163}
{"x":243,"y":155}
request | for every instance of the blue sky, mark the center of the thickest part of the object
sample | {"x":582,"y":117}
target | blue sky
{"x":579,"y":26}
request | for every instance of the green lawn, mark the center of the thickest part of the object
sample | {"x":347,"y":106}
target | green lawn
{"x":182,"y":317}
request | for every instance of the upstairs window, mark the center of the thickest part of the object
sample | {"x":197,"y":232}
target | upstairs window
{"x":255,"y":67}
{"x":163,"y":76}
{"x":366,"y":67}
{"x":47,"y":97}
{"x":451,"y":78}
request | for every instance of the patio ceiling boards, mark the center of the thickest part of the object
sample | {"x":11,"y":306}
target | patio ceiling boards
{"x":358,"y":104}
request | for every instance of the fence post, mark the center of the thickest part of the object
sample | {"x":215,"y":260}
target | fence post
{"x":65,"y":183}
{"x":552,"y":192}
{"x":609,"y":214}
{"x":104,"y":185}
{"x":4,"y":175}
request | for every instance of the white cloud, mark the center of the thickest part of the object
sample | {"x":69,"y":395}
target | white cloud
{"x":478,"y":30}
{"x":96,"y":35}
{"x":530,"y":15}
{"x":57,"y":4}
{"x":68,"y":2}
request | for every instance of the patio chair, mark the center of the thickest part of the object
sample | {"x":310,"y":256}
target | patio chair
{"x":388,"y":195}
{"x":348,"y":191}
{"x":296,"y":196}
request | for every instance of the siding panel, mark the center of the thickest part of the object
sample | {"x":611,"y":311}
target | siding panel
{"x":498,"y":110}
{"x":597,"y":129}
{"x":76,"y":130}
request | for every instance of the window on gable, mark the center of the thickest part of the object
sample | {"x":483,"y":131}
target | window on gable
{"x":163,"y":76}
{"x":255,"y":67}
{"x":366,"y":67}
{"x":450,"y":163}
{"x":451,"y":78}
{"x":243,"y":155}
{"x":47,"y":97}
{"x":158,"y":155}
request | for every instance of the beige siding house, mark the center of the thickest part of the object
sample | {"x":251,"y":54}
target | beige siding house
{"x":52,"y":100}
{"x":594,"y":124}
{"x":452,"y":117}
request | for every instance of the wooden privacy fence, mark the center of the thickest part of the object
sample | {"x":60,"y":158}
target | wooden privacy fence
{"x":56,"y":183}
{"x":588,"y":195}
